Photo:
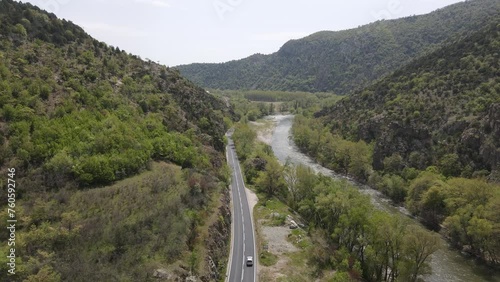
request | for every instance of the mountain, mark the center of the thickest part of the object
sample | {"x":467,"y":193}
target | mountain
{"x":54,"y":76}
{"x":115,"y":163}
{"x":441,"y":109}
{"x":341,"y":61}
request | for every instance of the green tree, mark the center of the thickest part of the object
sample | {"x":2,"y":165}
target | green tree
{"x":361,"y":158}
{"x":244,"y":138}
{"x":418,"y":187}
{"x":300,"y":180}
{"x":394,"y":186}
{"x":394,"y":163}
{"x":271,"y":180}
{"x":450,"y":165}
{"x":419,"y":245}
{"x":46,"y":274}
{"x":384,"y":253}
{"x":19,"y":29}
{"x":432,"y":205}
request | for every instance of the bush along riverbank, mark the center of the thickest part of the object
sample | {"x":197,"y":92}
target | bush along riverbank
{"x":465,"y":210}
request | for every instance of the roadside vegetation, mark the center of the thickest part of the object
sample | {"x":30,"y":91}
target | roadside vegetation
{"x":347,"y":238}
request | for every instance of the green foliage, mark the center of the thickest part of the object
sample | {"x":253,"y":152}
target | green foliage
{"x":268,"y":259}
{"x":244,"y":140}
{"x":472,"y":206}
{"x":419,"y":186}
{"x":72,"y":117}
{"x":298,"y":179}
{"x":418,"y":246}
{"x":260,"y":166}
{"x":427,"y":194}
{"x":332,"y":151}
{"x":77,"y":115}
{"x":19,"y":29}
{"x":351,"y":236}
{"x":430,"y":115}
{"x":361,"y":240}
{"x":341,"y":276}
{"x":275,"y":96}
{"x":466,"y":208}
{"x":394,"y":163}
{"x":108,"y":232}
{"x":453,"y":89}
{"x":393,"y":186}
{"x":341,"y":61}
{"x":46,"y":274}
{"x":450,"y":165}
{"x":271,"y":181}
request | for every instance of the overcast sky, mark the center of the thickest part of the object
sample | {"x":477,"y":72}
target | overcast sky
{"x":186,"y":31}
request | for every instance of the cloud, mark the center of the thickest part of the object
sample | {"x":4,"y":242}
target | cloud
{"x":121,"y":31}
{"x":278,"y":36}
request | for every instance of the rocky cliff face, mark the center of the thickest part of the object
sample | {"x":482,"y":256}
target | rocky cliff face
{"x":400,"y":138}
{"x":490,"y":148}
{"x":476,"y":140}
{"x":218,"y":241}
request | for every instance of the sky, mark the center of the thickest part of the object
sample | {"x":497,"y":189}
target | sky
{"x":175,"y":32}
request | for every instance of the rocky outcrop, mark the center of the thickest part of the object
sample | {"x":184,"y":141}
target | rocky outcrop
{"x":490,"y":150}
{"x":476,"y":141}
{"x":479,"y":143}
{"x":494,"y":119}
{"x":218,"y":241}
{"x":162,"y":274}
{"x":400,"y":138}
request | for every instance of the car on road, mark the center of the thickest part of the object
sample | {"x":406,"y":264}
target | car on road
{"x":249,"y":261}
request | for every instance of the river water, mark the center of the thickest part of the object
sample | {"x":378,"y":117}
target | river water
{"x":447,"y":264}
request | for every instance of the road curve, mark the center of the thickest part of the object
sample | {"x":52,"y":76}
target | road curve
{"x":243,"y":242}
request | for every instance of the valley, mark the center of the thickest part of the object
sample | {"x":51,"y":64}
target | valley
{"x":363,"y":154}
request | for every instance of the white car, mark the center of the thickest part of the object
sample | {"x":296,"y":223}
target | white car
{"x":249,"y":261}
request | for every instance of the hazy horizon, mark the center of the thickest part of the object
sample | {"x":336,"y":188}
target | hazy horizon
{"x":176,"y":32}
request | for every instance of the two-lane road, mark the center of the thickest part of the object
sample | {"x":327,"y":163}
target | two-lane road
{"x":243,"y":233}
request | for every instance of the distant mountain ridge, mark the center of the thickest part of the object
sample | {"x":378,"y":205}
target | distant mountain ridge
{"x":341,"y":61}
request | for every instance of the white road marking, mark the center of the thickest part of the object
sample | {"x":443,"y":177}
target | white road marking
{"x":236,"y":165}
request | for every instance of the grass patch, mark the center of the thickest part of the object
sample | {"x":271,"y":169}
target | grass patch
{"x":272,"y":212}
{"x":277,"y":220}
{"x":300,"y":278}
{"x":266,"y":207}
{"x":299,"y":239}
{"x":268,"y":259}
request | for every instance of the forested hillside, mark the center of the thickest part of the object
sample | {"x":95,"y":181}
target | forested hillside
{"x":439,"y":110}
{"x":77,"y":115}
{"x":428,"y":137}
{"x":342,"y":61}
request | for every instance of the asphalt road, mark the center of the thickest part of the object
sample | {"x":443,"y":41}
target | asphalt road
{"x":243,"y":234}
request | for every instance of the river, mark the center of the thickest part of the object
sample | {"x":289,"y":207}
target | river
{"x":447,"y":264}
